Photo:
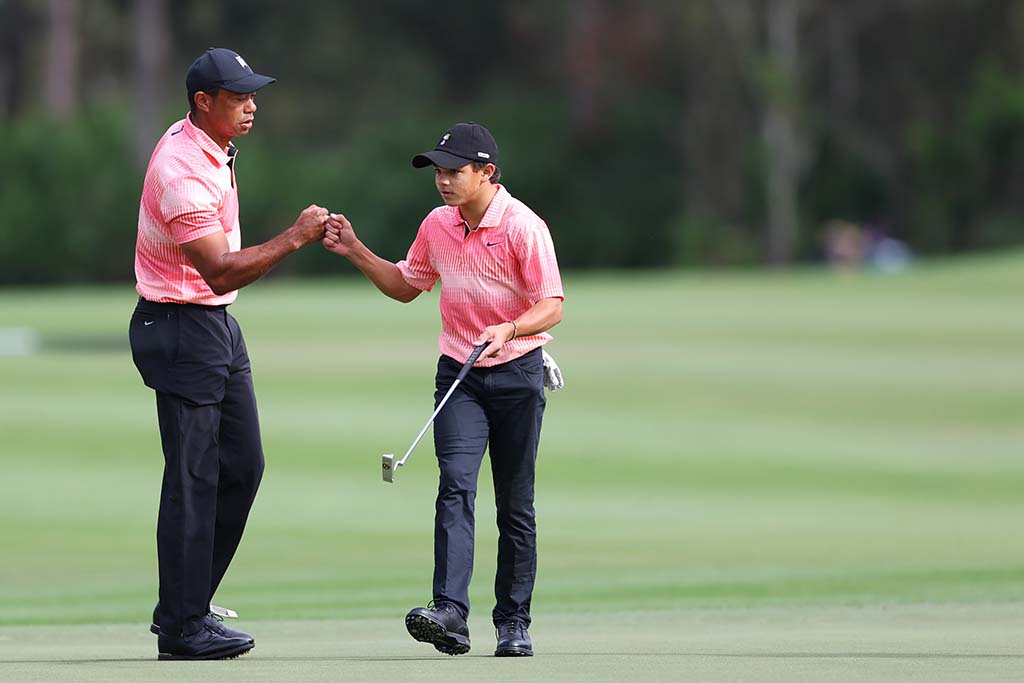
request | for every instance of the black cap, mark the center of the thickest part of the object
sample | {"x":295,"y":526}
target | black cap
{"x":461,"y":144}
{"x":220,"y":67}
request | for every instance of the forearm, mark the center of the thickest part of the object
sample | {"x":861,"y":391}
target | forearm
{"x":540,"y":317}
{"x":384,"y":274}
{"x":234,"y":270}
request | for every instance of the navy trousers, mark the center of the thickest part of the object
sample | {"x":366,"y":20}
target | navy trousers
{"x":502,"y":408}
{"x":194,"y":358}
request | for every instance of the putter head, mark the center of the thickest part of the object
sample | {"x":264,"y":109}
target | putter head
{"x":223,"y":612}
{"x":387,"y":467}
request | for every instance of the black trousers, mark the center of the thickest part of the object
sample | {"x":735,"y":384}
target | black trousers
{"x":194,"y":357}
{"x":501,"y":407}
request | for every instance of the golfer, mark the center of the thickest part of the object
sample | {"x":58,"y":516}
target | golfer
{"x":189,"y":265}
{"x":500,"y":284}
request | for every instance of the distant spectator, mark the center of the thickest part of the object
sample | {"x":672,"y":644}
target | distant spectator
{"x":846,"y":244}
{"x":849,"y":246}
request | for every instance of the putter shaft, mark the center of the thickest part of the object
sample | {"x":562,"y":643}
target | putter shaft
{"x":462,"y":374}
{"x":427,"y":426}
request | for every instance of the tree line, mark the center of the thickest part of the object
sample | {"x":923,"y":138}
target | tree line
{"x":648,"y":134}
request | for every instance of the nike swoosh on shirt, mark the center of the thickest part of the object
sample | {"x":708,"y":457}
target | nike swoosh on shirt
{"x":491,"y":244}
{"x":147,"y":323}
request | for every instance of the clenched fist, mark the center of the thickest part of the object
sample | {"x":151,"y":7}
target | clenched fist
{"x":311,"y":224}
{"x":339,"y":238}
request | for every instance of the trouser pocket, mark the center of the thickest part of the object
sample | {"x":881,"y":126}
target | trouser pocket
{"x":154,"y":337}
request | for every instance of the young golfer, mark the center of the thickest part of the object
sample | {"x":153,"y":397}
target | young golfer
{"x":500,"y":284}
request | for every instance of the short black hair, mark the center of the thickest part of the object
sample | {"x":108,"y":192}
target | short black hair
{"x":495,"y":177}
{"x":212,"y":92}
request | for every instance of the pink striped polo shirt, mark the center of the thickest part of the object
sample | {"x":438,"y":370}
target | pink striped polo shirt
{"x":189,"y":192}
{"x":493,"y":274}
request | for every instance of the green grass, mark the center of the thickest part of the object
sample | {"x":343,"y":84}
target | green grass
{"x":727,"y":443}
{"x":913,"y":643}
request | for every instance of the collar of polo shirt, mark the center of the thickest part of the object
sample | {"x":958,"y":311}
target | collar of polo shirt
{"x":492,"y":217}
{"x":206,"y":143}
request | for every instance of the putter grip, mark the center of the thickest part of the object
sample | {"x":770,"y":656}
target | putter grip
{"x":469,"y":361}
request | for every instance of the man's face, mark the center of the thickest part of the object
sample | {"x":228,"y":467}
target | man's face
{"x":231,"y":114}
{"x":459,"y":186}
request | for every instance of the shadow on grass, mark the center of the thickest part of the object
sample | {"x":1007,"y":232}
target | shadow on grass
{"x":549,"y":655}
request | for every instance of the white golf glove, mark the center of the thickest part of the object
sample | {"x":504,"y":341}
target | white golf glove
{"x":552,"y":374}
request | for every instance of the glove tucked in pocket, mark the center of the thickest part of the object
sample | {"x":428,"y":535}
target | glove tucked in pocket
{"x":552,"y":374}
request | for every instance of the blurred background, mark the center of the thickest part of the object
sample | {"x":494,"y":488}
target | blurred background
{"x":648,"y":134}
{"x":790,"y":233}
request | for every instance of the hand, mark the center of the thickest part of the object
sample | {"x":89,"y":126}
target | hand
{"x":340,"y":237}
{"x":310,"y":225}
{"x":498,"y":335}
{"x":552,"y":374}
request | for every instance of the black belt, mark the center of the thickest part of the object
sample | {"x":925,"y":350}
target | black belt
{"x":201,"y":307}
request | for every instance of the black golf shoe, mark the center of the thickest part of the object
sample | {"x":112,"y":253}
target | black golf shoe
{"x":440,"y":625}
{"x":513,"y":640}
{"x":205,"y":643}
{"x":216,"y":624}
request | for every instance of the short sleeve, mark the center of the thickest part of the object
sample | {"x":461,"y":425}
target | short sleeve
{"x":537,"y":263}
{"x":417,"y":268}
{"x":191,"y":207}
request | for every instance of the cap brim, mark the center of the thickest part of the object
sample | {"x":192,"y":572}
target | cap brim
{"x":439,"y":157}
{"x":250,"y":83}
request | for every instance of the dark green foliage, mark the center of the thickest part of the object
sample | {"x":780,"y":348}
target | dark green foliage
{"x":69,"y":200}
{"x":636,"y":130}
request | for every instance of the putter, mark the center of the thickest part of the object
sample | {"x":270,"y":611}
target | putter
{"x":223,"y":612}
{"x":388,"y":463}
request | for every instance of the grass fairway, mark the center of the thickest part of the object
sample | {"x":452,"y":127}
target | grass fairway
{"x":748,"y":476}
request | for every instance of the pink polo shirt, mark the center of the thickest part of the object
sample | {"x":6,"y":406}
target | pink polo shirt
{"x":189,"y":192}
{"x":493,"y":274}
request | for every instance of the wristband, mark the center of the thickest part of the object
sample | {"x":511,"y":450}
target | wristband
{"x":515,"y":329}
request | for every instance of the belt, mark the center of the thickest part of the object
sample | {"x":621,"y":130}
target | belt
{"x":200,"y":307}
